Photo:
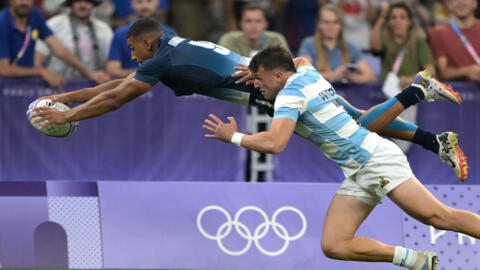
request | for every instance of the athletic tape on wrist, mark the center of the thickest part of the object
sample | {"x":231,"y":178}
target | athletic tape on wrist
{"x":237,"y":138}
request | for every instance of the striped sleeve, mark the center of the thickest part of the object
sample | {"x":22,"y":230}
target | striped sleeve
{"x":290,"y":103}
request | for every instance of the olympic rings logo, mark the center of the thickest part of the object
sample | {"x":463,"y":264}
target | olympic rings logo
{"x":260,"y":232}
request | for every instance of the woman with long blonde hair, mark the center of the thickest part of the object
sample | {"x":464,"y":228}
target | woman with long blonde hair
{"x":335,"y":58}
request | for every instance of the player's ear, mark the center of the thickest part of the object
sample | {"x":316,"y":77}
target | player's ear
{"x":150,"y":43}
{"x":278,"y":74}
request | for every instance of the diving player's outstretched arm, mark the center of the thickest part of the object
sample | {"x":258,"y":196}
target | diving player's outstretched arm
{"x":104,"y":102}
{"x":85,"y":94}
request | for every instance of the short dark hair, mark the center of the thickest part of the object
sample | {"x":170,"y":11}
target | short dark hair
{"x":271,"y":58}
{"x":254,"y":6}
{"x":145,"y":26}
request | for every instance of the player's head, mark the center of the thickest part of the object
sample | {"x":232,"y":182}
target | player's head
{"x":145,"y":8}
{"x":253,"y":22}
{"x":142,"y":38}
{"x":21,"y":8}
{"x":462,"y":8}
{"x":271,"y":68}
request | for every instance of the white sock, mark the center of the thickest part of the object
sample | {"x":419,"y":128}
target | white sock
{"x":404,"y":257}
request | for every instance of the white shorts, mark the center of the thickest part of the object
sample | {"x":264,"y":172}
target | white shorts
{"x":384,"y":171}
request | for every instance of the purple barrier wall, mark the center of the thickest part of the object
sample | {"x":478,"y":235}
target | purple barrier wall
{"x":188,"y":225}
{"x":156,"y":137}
{"x":301,"y":161}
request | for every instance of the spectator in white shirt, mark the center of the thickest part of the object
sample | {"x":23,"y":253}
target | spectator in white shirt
{"x":88,"y":38}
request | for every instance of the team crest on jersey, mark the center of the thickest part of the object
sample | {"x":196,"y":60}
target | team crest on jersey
{"x":383,"y":182}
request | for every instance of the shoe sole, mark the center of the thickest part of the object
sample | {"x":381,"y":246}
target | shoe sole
{"x":435,"y":261}
{"x":452,"y":94}
{"x":453,"y":139}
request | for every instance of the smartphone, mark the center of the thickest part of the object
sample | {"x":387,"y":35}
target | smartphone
{"x":352,"y":67}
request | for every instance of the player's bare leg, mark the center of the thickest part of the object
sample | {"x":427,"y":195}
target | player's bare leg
{"x":419,"y":203}
{"x":344,"y":216}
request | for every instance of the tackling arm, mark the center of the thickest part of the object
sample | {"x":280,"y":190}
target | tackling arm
{"x":272,"y":141}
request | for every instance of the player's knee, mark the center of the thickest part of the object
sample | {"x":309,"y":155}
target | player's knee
{"x":333,"y":250}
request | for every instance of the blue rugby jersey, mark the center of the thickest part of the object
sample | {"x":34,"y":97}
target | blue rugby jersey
{"x":199,"y":67}
{"x":310,"y":101}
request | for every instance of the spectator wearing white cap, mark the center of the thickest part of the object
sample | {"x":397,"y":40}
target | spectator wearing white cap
{"x":88,"y":38}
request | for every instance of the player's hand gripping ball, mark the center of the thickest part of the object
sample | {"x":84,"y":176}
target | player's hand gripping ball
{"x":63,"y":130}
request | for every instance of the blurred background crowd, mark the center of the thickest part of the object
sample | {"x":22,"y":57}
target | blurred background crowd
{"x":356,"y":41}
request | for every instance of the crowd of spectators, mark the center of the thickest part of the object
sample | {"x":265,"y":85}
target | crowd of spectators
{"x":58,"y":39}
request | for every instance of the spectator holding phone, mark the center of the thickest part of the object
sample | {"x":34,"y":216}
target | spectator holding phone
{"x":335,"y":58}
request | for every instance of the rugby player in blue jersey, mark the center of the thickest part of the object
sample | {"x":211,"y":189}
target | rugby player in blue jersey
{"x":307,"y":104}
{"x":204,"y":68}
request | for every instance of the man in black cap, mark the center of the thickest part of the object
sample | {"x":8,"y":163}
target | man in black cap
{"x":88,"y":38}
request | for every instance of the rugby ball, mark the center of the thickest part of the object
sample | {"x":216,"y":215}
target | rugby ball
{"x":63,"y":130}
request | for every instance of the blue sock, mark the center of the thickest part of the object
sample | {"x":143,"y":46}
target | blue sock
{"x":410,"y":96}
{"x":427,"y":140}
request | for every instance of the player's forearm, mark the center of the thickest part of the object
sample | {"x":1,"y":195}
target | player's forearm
{"x":263,"y":142}
{"x":99,"y":105}
{"x":109,"y":100}
{"x":84,"y":95}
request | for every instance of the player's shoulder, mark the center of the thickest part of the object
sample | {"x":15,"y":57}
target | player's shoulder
{"x":304,"y":72}
{"x":297,"y":81}
{"x":173,"y":39}
{"x":162,"y":55}
{"x":169,"y":43}
{"x":305,"y":76}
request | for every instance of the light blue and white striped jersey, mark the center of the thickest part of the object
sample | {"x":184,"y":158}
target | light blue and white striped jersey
{"x":309,"y":100}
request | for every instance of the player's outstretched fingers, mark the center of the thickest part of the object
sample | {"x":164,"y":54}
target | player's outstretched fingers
{"x":232,"y":120}
{"x":215,"y":118}
{"x":39,"y":112}
{"x":241,"y":67}
{"x":45,"y":125}
{"x":209,"y":128}
{"x":210,"y":124}
{"x":211,"y":136}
